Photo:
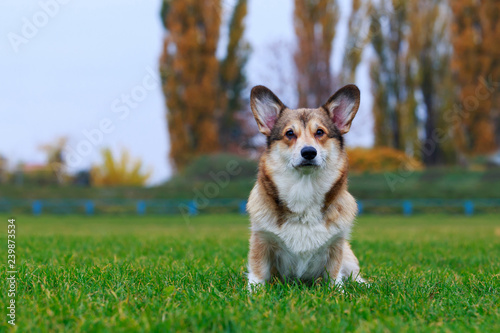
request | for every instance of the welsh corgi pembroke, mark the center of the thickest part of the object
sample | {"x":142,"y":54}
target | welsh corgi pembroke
{"x":300,"y":210}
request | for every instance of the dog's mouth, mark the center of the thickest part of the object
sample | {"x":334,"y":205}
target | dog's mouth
{"x":307,"y":165}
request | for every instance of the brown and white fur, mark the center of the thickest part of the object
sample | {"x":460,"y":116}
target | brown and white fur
{"x":300,"y":210}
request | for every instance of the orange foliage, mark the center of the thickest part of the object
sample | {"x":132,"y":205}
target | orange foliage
{"x":411,"y":59}
{"x":119,"y":172}
{"x":233,"y":82}
{"x":189,"y":70}
{"x":203,"y":94}
{"x":315,"y":22}
{"x":380,"y":159}
{"x":475,"y":36}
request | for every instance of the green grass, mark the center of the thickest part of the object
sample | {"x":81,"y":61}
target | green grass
{"x":429,"y":273}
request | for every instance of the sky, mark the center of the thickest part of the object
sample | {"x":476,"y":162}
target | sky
{"x":87,"y":70}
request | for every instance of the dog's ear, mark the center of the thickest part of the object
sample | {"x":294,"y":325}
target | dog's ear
{"x":266,"y":108}
{"x":342,"y":107}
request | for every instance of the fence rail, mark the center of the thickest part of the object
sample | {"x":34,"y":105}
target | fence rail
{"x":192,"y":207}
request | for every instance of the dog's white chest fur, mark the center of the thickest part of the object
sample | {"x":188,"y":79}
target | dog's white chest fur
{"x":303,"y":249}
{"x":304,"y":237}
{"x":304,"y":193}
{"x":301,"y":235}
{"x":304,"y":228}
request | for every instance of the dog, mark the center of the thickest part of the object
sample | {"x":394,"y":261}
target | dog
{"x":300,"y":211}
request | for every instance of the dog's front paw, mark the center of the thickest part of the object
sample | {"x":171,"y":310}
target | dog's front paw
{"x":337,"y":284}
{"x":254,"y":283}
{"x":360,"y":280}
{"x":253,"y":287}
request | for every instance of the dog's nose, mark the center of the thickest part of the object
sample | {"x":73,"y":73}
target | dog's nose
{"x":308,"y":153}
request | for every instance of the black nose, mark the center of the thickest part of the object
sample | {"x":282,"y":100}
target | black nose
{"x":308,"y":153}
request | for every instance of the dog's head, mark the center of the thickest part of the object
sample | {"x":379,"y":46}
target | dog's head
{"x":305,"y":139}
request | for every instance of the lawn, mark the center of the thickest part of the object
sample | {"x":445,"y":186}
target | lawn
{"x":427,"y":272}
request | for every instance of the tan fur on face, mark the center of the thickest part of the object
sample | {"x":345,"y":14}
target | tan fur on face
{"x":304,"y":122}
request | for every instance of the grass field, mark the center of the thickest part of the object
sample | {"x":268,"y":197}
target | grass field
{"x":429,"y":273}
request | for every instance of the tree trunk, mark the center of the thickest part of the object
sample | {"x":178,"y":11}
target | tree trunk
{"x":431,"y":156}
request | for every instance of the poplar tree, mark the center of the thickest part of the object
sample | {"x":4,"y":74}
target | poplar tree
{"x":389,"y":75}
{"x":476,"y":68}
{"x":315,"y":26}
{"x":412,"y":58}
{"x":233,"y":80}
{"x":429,"y":60}
{"x":203,"y":94}
{"x":357,"y":39}
{"x":190,"y":74}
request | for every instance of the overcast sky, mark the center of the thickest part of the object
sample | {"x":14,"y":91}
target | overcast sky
{"x":87,"y":70}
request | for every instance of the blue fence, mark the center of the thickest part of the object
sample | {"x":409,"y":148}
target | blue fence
{"x":191,"y":207}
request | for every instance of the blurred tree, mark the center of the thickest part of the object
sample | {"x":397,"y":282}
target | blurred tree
{"x":476,"y":66}
{"x":233,"y":81}
{"x":389,"y":75}
{"x":203,"y":94}
{"x":429,"y":74}
{"x":315,"y":24}
{"x":3,"y":170}
{"x":118,"y":172}
{"x":357,"y":39}
{"x":412,"y":49}
{"x":190,"y":74}
{"x":55,"y":159}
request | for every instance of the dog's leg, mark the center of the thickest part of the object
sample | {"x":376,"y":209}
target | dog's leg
{"x":350,"y":265}
{"x":334,"y":263}
{"x":259,"y":261}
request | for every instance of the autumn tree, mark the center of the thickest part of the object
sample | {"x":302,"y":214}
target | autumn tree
{"x":429,"y":55}
{"x":357,"y":39}
{"x":3,"y":169}
{"x":315,"y":26}
{"x":203,"y":93}
{"x":476,"y":67}
{"x":56,"y":163}
{"x":233,"y":80}
{"x":412,"y":58}
{"x":190,"y":75}
{"x":389,"y":76}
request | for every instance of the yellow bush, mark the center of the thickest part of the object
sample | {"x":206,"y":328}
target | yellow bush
{"x":122,"y":172}
{"x":380,"y":159}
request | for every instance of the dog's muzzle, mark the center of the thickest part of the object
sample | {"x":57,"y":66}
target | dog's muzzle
{"x":308,"y":154}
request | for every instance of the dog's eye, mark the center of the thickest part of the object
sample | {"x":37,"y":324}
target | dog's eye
{"x":289,"y":134}
{"x":320,"y":132}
